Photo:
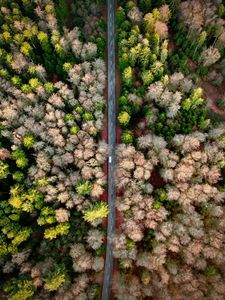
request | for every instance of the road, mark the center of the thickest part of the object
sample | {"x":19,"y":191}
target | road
{"x":112,"y":148}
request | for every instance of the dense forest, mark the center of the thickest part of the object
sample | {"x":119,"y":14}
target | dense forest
{"x":169,"y":240}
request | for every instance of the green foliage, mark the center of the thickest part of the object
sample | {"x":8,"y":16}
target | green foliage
{"x":100,"y":106}
{"x":28,"y":141}
{"x":4,"y":170}
{"x":74,"y":129}
{"x":120,"y":16}
{"x":20,"y":288}
{"x":211,"y":271}
{"x":87,"y":116}
{"x":154,"y":42}
{"x":149,"y":241}
{"x":96,"y":211}
{"x":47,"y":216}
{"x":12,"y":233}
{"x":160,"y":196}
{"x":100,"y":251}
{"x":58,"y":230}
{"x":147,"y":77}
{"x":84,"y":188}
{"x":123,"y":118}
{"x":34,"y":83}
{"x":202,"y":71}
{"x":186,"y":122}
{"x":128,"y":76}
{"x":18,"y":176}
{"x":221,"y":103}
{"x":221,"y":10}
{"x":79,"y":109}
{"x":157,"y":70}
{"x":122,"y":101}
{"x":55,"y":278}
{"x":27,"y":201}
{"x":194,"y":100}
{"x":20,"y":157}
{"x":67,"y":67}
{"x":4,"y":73}
{"x":26,"y":88}
{"x":41,"y":182}
{"x":49,"y":87}
{"x":16,"y":80}
{"x":27,"y":50}
{"x":127,"y":137}
{"x":69,"y":117}
{"x":124,"y":61}
{"x":100,"y":41}
{"x":131,"y":244}
{"x":62,"y":11}
{"x":178,"y":63}
{"x":130,"y":4}
{"x":101,"y":23}
{"x":145,"y":5}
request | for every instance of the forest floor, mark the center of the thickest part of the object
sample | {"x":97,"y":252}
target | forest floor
{"x":212,"y":93}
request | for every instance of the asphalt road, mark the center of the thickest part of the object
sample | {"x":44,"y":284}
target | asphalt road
{"x":112,"y":148}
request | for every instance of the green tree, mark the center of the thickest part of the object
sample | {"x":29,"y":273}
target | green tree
{"x":123,"y":118}
{"x":55,"y":278}
{"x":154,"y":42}
{"x":127,"y":137}
{"x":149,"y":22}
{"x":20,"y":288}
{"x":120,"y":16}
{"x":96,"y":211}
{"x":4,"y":170}
{"x":164,"y":52}
{"x":84,"y":188}
{"x":145,"y":56}
{"x":28,"y":141}
{"x":147,"y":77}
{"x":128,"y":76}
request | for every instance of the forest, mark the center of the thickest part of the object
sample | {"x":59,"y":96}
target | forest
{"x":169,"y":235}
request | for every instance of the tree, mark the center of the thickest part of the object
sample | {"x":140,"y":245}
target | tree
{"x":127,"y":137}
{"x":135,"y":15}
{"x":149,"y":22}
{"x":145,"y":56}
{"x":161,"y":29}
{"x":147,"y":77}
{"x":123,"y":118}
{"x":154,"y":42}
{"x":120,"y":16}
{"x":128,"y":76}
{"x":210,"y":56}
{"x":84,"y":188}
{"x":164,"y":51}
{"x":19,"y":288}
{"x":96,"y":212}
{"x":56,"y":277}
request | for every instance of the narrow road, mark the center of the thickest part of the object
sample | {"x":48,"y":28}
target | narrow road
{"x":112,"y":148}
